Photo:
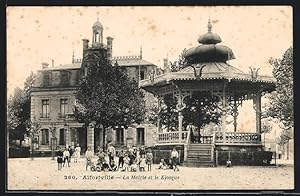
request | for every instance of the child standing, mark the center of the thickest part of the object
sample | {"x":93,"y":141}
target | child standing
{"x":121,"y":159}
{"x":59,"y":158}
{"x":126,"y":163}
{"x":149,"y":159}
{"x":142,"y":163}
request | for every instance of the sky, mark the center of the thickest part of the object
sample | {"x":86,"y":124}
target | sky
{"x":40,"y":34}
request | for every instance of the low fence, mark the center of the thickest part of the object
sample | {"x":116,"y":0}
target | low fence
{"x":22,"y":152}
{"x":256,"y":158}
{"x":164,"y":152}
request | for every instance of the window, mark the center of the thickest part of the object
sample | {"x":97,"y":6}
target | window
{"x":140,"y":136}
{"x":120,"y":136}
{"x":46,"y":79}
{"x":45,"y":137}
{"x":62,"y":137}
{"x":45,"y":108}
{"x":63,"y":107}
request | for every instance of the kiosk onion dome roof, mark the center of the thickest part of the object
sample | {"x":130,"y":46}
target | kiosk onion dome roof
{"x":207,"y":69}
{"x":209,"y":50}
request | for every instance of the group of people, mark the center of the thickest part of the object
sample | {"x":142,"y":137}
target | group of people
{"x":131,"y":159}
{"x":64,"y":157}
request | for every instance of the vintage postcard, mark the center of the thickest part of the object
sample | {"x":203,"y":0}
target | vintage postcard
{"x":150,"y":98}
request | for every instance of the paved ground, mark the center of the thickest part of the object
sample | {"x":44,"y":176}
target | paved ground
{"x":42,"y":174}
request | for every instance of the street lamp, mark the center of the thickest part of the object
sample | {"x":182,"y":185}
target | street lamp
{"x":66,"y":128}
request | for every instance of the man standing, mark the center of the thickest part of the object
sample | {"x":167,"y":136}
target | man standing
{"x":111,"y":153}
{"x":174,"y":158}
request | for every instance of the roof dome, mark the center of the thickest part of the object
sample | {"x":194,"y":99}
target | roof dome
{"x":208,"y":50}
{"x":209,"y":37}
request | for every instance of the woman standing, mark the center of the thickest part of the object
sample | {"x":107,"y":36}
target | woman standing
{"x":77,"y":153}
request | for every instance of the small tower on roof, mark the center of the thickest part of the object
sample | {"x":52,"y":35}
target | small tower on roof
{"x":97,"y":33}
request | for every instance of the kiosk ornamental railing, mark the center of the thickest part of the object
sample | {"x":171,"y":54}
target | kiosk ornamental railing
{"x":235,"y":137}
{"x":172,"y":137}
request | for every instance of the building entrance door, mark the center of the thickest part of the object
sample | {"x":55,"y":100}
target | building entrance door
{"x":82,"y":137}
{"x":98,"y":138}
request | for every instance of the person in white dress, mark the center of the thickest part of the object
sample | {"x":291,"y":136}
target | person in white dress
{"x":77,"y":153}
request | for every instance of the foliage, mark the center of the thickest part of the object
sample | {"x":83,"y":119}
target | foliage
{"x":284,"y":137}
{"x":281,"y":101}
{"x":18,"y":110}
{"x":180,"y":64}
{"x":201,"y":110}
{"x":169,"y":114}
{"x":34,"y":128}
{"x":107,"y":96}
{"x":152,"y":111}
{"x":266,"y":126}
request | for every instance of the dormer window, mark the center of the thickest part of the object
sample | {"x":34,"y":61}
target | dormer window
{"x":64,"y":78}
{"x":46,"y":78}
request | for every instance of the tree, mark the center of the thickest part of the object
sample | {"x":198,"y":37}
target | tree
{"x":18,"y":110}
{"x":180,"y":64}
{"x":281,"y":104}
{"x":33,"y":130}
{"x":107,"y":96}
{"x":281,"y":101}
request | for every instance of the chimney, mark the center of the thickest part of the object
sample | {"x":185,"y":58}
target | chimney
{"x":109,"y":47}
{"x":166,"y":66}
{"x":52,"y":63}
{"x":85,"y":44}
{"x":45,"y":65}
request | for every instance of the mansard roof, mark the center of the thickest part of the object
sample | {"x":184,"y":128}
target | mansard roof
{"x":130,"y":61}
{"x":75,"y":65}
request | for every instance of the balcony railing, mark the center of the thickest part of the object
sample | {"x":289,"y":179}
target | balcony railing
{"x":172,"y":137}
{"x":235,"y":137}
{"x":206,"y":139}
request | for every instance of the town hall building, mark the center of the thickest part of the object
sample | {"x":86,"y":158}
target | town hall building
{"x":53,"y":98}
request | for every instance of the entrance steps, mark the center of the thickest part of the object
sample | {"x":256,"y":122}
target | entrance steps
{"x":199,"y":155}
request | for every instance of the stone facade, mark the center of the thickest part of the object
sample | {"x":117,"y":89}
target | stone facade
{"x":53,"y":98}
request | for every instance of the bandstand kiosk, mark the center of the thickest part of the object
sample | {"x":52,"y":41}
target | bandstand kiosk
{"x":208,"y":72}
